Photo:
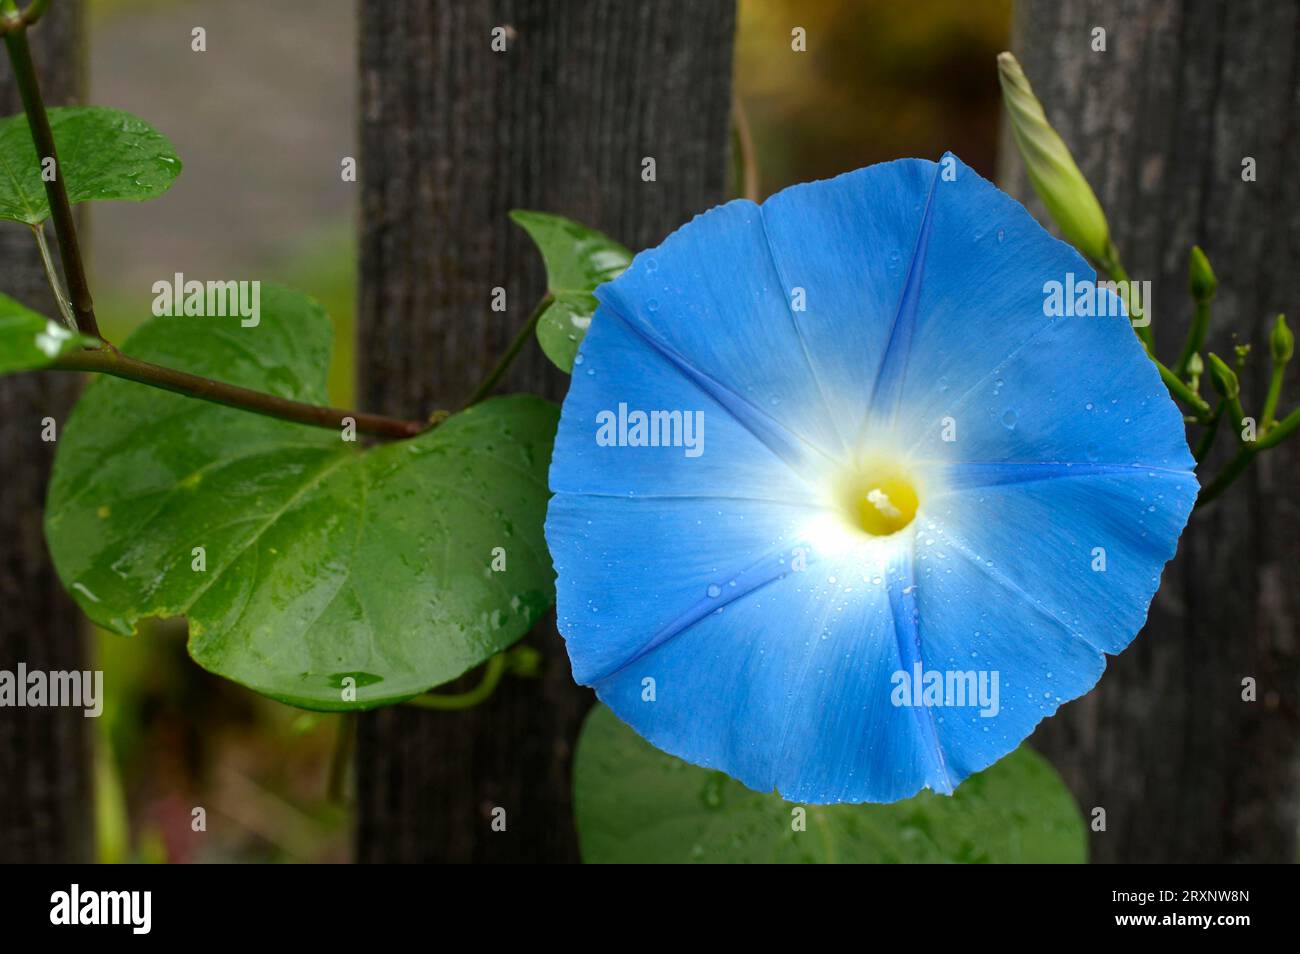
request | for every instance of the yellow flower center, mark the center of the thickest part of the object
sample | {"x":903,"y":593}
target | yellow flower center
{"x":880,"y":500}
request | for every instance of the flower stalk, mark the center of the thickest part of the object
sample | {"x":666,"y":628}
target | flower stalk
{"x":1228,"y":387}
{"x":1281,"y":349}
{"x":1060,"y":184}
{"x":503,"y":363}
{"x":1183,"y":392}
{"x":1207,"y":436}
{"x":1235,"y":467}
{"x":1203,"y":285}
{"x":1052,"y":170}
{"x":746,"y":172}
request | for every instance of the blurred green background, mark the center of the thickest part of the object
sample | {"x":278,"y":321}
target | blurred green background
{"x":261,"y":121}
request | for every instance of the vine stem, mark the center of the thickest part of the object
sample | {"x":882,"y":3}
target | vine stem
{"x":521,"y":339}
{"x":78,"y":302}
{"x":1145,"y":333}
{"x":52,"y":276}
{"x":1235,"y":467}
{"x":65,"y":229}
{"x":1207,"y":438}
{"x":1181,"y":391}
{"x":1231,"y":471}
{"x":492,"y":673}
{"x":340,"y":758}
{"x":79,"y":306}
{"x":1273,"y":396}
{"x":745,"y":150}
{"x":112,"y":362}
{"x":1195,"y":337}
{"x":14,"y":19}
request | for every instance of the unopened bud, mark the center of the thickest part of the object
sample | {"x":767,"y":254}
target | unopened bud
{"x":1200,"y":277}
{"x":1223,"y":378}
{"x":1281,"y":342}
{"x":1052,"y":170}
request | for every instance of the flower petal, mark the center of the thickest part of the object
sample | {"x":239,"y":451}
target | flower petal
{"x":1035,"y":581}
{"x":849,"y":242}
{"x":618,"y":366}
{"x":710,"y":299}
{"x":622,"y":593}
{"x":1080,"y":390}
{"x":697,"y":632}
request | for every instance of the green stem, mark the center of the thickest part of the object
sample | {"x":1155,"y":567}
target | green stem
{"x":1280,"y":431}
{"x":340,"y":759}
{"x":107,"y":360}
{"x":1273,"y":396}
{"x":492,"y":673}
{"x":743,"y":144}
{"x":1238,"y":415}
{"x":1231,"y":471}
{"x":1211,"y":429}
{"x":1246,"y":454}
{"x":12,"y":19}
{"x":504,"y":362}
{"x":65,"y":230}
{"x":52,"y":277}
{"x":110,"y":361}
{"x":1179,"y":389}
{"x":1195,"y":337}
{"x":1111,"y":265}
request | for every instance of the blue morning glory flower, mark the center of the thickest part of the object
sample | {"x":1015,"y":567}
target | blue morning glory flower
{"x":855,"y":487}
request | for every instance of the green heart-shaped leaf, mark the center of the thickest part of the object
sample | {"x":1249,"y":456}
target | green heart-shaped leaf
{"x":634,"y":803}
{"x":323,"y":567}
{"x":103,"y":154}
{"x":578,"y":259}
{"x":29,"y":340}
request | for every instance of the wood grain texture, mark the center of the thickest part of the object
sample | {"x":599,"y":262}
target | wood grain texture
{"x":1160,"y":123}
{"x":453,"y":136}
{"x":45,"y":795}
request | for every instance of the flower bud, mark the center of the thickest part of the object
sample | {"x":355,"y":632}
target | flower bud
{"x":1052,"y":170}
{"x":1223,"y":378}
{"x":1281,"y":342}
{"x":1200,"y":277}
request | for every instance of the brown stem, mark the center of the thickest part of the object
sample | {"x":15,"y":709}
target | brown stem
{"x":109,"y":361}
{"x":65,"y":229}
